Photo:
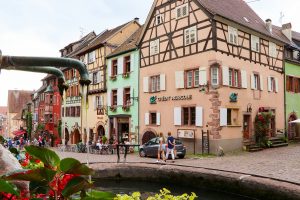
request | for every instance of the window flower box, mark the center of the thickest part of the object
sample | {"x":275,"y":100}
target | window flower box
{"x":125,"y":75}
{"x":113,"y":78}
{"x":126,"y":108}
{"x":113,"y":108}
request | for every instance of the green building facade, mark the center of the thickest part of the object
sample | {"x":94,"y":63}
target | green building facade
{"x":122,"y":92}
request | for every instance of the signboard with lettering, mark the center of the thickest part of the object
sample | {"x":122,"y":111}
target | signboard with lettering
{"x":186,"y":134}
{"x":155,"y":99}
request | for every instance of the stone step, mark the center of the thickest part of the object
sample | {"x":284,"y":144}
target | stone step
{"x":283,"y":144}
{"x":255,"y":149}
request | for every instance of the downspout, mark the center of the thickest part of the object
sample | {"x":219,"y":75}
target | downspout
{"x":49,"y":70}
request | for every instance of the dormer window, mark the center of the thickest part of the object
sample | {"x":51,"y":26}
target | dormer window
{"x":232,"y":35}
{"x":182,"y":11}
{"x":255,"y":43}
{"x":158,"y":19}
{"x":272,"y":50}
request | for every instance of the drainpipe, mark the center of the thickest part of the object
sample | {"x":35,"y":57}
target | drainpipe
{"x":49,"y":70}
{"x":21,"y":62}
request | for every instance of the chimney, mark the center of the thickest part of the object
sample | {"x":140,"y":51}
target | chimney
{"x":287,"y":30}
{"x":137,"y":19}
{"x":269,"y":25}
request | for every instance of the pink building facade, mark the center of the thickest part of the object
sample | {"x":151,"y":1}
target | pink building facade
{"x":204,"y":67}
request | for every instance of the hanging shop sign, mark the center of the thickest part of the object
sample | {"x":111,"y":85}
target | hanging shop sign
{"x":155,"y":99}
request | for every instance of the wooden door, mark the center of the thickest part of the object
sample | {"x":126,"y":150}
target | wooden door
{"x":246,"y":126}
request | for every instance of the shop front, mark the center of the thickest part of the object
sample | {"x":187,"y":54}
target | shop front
{"x":120,"y":129}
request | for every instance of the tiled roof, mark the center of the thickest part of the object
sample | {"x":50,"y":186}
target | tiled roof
{"x":129,"y":44}
{"x":17,"y":99}
{"x":101,"y":39}
{"x":278,"y":30}
{"x":239,"y":11}
{"x":296,"y":35}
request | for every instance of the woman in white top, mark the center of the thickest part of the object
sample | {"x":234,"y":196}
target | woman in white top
{"x":161,"y":148}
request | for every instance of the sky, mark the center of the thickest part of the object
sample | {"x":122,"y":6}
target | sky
{"x":43,"y":27}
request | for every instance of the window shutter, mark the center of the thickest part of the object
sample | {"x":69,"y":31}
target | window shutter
{"x":269,"y":84}
{"x":147,"y":119}
{"x":109,"y":98}
{"x":146,"y":84}
{"x":158,"y":119}
{"x":162,"y":82}
{"x":276,"y":85}
{"x":177,"y":116}
{"x":199,"y":116}
{"x":98,"y":77}
{"x":261,"y":82}
{"x":225,"y":74}
{"x":120,"y":97}
{"x":94,"y":102}
{"x":252,"y":82}
{"x":223,"y":116}
{"x":120,"y":65}
{"x":109,"y":68}
{"x":202,"y":76}
{"x":179,"y":79}
{"x":244,"y":79}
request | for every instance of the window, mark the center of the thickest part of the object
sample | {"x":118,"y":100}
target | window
{"x":91,"y":57}
{"x":77,"y":114}
{"x":127,"y":64}
{"x":256,"y":82}
{"x":234,"y":76}
{"x":215,"y":75}
{"x":289,"y":83}
{"x":288,"y":54}
{"x":255,"y":43}
{"x":192,"y":78}
{"x":114,"y":68}
{"x":232,"y":117}
{"x":296,"y":55}
{"x":190,"y":35}
{"x":153,"y":118}
{"x":154,"y":47}
{"x":158,"y":19}
{"x":272,"y":50}
{"x":95,"y":76}
{"x":99,"y":102}
{"x":182,"y":11}
{"x":189,"y":116}
{"x":114,"y":98}
{"x":232,"y":35}
{"x":155,"y":83}
{"x":126,"y":97}
{"x":272,"y":84}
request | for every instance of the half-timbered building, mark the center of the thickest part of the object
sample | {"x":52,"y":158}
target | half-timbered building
{"x":209,"y":65}
{"x":95,"y":121}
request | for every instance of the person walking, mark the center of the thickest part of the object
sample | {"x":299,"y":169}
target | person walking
{"x":161,"y":148}
{"x":171,"y":146}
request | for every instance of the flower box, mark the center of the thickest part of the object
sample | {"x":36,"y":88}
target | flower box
{"x":113,"y":78}
{"x":125,"y":75}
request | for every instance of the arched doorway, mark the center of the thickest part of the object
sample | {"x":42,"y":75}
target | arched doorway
{"x":76,"y":136}
{"x":100,"y":131}
{"x":292,"y":127}
{"x":67,"y":136}
{"x":148,"y":135}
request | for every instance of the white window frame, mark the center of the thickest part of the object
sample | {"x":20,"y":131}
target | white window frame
{"x":179,"y":11}
{"x":233,"y":35}
{"x":154,"y":47}
{"x":155,"y":83}
{"x":255,"y":43}
{"x":256,"y":80}
{"x":158,"y":19}
{"x":212,"y":76}
{"x":272,"y":50}
{"x":190,"y":35}
{"x":91,"y":57}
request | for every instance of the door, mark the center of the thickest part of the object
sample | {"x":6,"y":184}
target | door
{"x":246,"y":127}
{"x":273,"y":127}
{"x":292,"y":127}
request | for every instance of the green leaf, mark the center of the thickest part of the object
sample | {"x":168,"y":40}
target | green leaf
{"x":48,"y":157}
{"x":97,"y":195}
{"x":37,"y":175}
{"x":73,"y":166}
{"x":75,"y":185}
{"x":8,"y":188}
{"x":14,"y":151}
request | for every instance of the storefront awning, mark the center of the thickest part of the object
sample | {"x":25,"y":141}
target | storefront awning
{"x":19,"y":132}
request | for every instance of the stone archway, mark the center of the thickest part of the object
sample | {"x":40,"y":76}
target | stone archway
{"x":67,"y":136}
{"x":292,"y":128}
{"x":148,"y":135}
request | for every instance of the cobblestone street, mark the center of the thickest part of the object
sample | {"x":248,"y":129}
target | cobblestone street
{"x":280,"y":163}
